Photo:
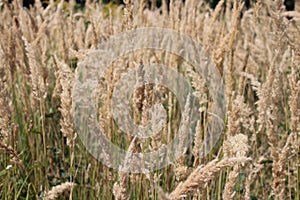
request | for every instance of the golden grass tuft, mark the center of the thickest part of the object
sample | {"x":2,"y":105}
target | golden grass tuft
{"x":257,"y":52}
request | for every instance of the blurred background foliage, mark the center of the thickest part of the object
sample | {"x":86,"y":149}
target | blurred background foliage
{"x":289,"y":4}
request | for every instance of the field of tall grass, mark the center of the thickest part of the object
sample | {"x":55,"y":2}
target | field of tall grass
{"x":256,"y":50}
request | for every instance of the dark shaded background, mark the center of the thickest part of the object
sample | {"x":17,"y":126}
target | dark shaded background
{"x":289,"y":4}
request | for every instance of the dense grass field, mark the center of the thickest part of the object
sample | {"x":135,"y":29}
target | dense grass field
{"x":256,"y":51}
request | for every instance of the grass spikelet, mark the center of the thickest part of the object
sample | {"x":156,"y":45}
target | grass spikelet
{"x":66,"y":78}
{"x":34,"y":74}
{"x":294,"y":83}
{"x":120,"y":190}
{"x":4,"y":109}
{"x":236,"y":147}
{"x":58,"y":190}
{"x":203,"y":174}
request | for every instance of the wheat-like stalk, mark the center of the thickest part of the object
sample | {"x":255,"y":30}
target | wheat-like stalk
{"x":58,"y":190}
{"x":4,"y":109}
{"x":66,"y":77}
{"x":203,"y":174}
